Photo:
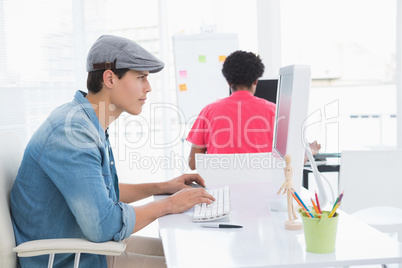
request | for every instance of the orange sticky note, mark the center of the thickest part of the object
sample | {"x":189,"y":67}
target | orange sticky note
{"x":222,"y":58}
{"x":183,"y":87}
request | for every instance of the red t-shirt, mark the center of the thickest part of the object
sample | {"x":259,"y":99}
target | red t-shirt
{"x":241,"y":123}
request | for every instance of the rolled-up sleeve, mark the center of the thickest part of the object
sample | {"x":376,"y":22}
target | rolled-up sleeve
{"x":128,"y":220}
{"x":74,"y":164}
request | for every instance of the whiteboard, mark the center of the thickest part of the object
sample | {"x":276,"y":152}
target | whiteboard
{"x":198,"y":70}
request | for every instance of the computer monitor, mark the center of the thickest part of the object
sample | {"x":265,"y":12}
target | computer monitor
{"x":267,"y":89}
{"x":291,"y":113}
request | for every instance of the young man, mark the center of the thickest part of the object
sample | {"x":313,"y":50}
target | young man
{"x":67,"y":186}
{"x":241,"y":123}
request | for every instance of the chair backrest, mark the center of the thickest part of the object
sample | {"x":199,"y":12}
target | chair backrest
{"x":10,"y":160}
{"x":223,"y":169}
{"x":370,"y":179}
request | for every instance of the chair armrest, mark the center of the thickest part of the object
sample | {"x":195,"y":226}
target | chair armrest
{"x":75,"y":245}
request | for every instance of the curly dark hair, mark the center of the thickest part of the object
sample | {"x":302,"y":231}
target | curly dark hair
{"x":242,"y":68}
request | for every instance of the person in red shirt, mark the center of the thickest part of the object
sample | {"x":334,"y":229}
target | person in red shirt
{"x":240,"y":123}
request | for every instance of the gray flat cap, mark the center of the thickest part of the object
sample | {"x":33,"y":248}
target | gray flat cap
{"x":113,"y":52}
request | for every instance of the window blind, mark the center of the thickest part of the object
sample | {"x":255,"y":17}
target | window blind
{"x":37,"y":62}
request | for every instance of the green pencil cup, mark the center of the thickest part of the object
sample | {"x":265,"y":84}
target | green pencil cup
{"x":320,"y":233}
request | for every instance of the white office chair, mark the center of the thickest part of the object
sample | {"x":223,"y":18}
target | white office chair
{"x":372,"y":181}
{"x":10,"y":159}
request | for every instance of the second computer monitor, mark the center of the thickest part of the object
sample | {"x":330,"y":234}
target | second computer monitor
{"x":267,"y":89}
{"x":290,"y":116}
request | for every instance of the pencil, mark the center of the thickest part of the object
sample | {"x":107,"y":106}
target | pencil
{"x":333,"y":210}
{"x":300,"y":204}
{"x":340,"y":197}
{"x":336,"y":202}
{"x":318,"y":203}
{"x":299,"y":199}
{"x":314,"y":206}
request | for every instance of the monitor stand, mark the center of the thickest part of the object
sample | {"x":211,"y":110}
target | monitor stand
{"x":322,"y":195}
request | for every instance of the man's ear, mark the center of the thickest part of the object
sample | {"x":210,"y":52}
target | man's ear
{"x":108,"y":77}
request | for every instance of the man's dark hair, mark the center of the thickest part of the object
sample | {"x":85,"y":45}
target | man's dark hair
{"x":242,"y":68}
{"x":95,"y":79}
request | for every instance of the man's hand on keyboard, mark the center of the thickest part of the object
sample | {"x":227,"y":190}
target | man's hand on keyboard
{"x":188,"y":198}
{"x":181,"y":182}
{"x":217,"y":210}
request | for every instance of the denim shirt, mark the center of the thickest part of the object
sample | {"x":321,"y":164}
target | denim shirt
{"x":67,"y":186}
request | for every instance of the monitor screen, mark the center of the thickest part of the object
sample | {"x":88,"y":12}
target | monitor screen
{"x":290,"y":117}
{"x":267,"y":89}
{"x":283,"y":114}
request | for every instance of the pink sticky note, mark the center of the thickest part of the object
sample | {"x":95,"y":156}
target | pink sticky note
{"x":183,"y":74}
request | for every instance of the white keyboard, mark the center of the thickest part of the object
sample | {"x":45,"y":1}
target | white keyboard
{"x":220,"y":208}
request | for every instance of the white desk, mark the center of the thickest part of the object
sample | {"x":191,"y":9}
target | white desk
{"x":263,"y":242}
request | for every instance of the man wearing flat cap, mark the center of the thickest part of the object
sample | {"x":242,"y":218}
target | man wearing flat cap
{"x":67,"y":185}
